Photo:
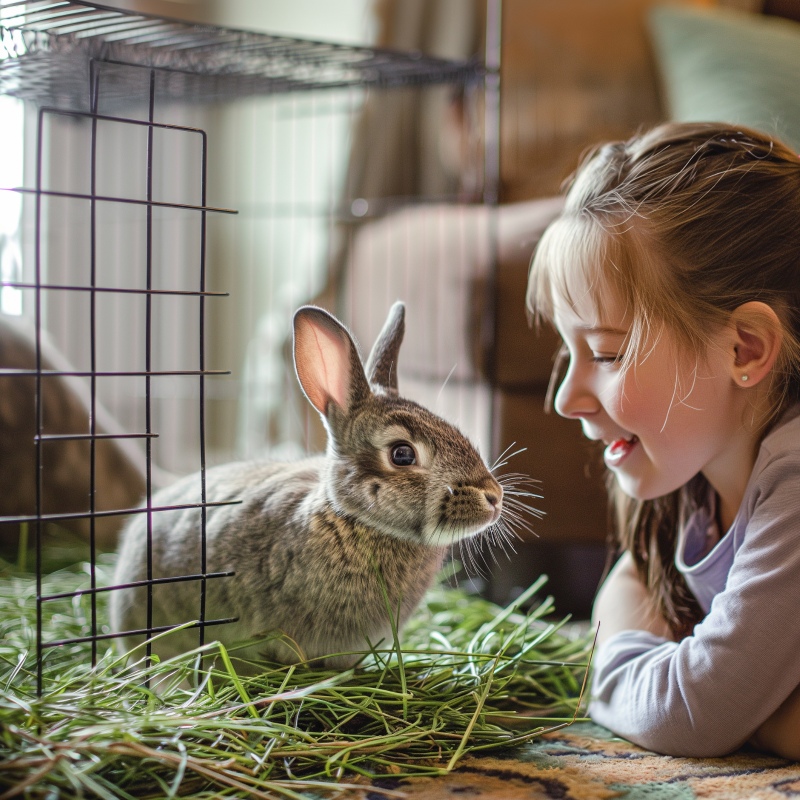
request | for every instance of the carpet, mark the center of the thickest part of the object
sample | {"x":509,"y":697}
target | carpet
{"x":587,"y":762}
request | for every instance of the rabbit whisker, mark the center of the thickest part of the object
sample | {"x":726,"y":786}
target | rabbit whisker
{"x":440,"y":532}
{"x":515,"y":479}
{"x":509,"y":530}
{"x":520,"y":475}
{"x":517,"y":490}
{"x":513,"y":497}
{"x":516,"y":524}
{"x":492,"y":551}
{"x":511,"y":519}
{"x":449,"y":375}
{"x":513,"y":531}
{"x":504,"y":457}
{"x":500,"y":540}
{"x":519,"y":501}
{"x":521,"y":518}
{"x":499,"y":544}
{"x":495,"y":543}
{"x":512,"y":492}
{"x":516,"y":520}
{"x":515,"y":504}
{"x":469,"y":550}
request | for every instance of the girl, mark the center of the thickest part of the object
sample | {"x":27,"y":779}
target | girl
{"x":673,"y":277}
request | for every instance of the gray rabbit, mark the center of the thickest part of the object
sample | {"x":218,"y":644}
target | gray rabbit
{"x":312,"y":542}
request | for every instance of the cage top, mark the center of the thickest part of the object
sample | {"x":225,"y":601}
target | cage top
{"x":47,"y":47}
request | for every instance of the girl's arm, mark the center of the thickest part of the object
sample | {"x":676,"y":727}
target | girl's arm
{"x":781,"y":732}
{"x":622,"y":604}
{"x":728,"y":682}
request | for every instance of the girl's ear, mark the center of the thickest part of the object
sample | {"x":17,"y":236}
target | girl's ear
{"x":757,"y":342}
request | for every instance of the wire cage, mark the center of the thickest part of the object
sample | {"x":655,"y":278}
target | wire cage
{"x":182,"y":192}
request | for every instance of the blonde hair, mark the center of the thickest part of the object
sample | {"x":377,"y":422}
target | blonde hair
{"x":682,"y":224}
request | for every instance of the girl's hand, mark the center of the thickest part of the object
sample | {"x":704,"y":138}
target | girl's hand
{"x":622,"y":604}
{"x":781,"y":732}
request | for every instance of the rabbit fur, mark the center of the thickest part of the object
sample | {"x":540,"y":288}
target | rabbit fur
{"x":312,"y":541}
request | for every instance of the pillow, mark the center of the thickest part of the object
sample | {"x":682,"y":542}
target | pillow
{"x":723,"y":65}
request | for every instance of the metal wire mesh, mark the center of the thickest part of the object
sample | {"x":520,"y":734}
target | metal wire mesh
{"x":82,"y":63}
{"x":94,"y":287}
{"x":46,"y":46}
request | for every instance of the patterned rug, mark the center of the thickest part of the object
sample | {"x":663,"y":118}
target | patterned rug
{"x":586,"y":762}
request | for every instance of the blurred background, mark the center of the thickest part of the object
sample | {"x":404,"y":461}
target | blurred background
{"x":350,"y":196}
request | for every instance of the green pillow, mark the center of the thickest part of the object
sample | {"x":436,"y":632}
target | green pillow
{"x":722,"y":65}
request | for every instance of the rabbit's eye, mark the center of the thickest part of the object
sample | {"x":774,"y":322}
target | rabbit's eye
{"x":403,"y":455}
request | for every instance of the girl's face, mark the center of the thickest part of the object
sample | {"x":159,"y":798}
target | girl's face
{"x":663,"y":420}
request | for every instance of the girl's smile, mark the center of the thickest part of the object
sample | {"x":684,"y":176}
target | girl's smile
{"x":618,"y":451}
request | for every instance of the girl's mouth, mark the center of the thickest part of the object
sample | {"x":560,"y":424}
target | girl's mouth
{"x":619,"y":450}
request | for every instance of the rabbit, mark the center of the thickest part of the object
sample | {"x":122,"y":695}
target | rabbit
{"x":314,"y":544}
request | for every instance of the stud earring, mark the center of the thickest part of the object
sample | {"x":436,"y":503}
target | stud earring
{"x":745,"y":378}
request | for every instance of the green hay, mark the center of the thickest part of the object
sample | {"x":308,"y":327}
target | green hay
{"x":470,"y":677}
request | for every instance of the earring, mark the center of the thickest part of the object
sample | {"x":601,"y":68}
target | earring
{"x":745,"y":378}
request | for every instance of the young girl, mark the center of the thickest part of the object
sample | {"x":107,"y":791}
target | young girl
{"x":673,"y":277}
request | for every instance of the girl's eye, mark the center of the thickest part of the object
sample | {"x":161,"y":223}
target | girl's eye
{"x":601,"y":359}
{"x":403,"y":455}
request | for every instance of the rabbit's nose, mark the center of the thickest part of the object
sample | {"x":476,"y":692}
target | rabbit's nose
{"x":492,"y":498}
{"x":495,"y":500}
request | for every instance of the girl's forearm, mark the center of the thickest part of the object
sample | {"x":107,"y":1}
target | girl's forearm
{"x":622,"y":604}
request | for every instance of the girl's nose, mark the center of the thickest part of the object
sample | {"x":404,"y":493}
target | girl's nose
{"x":574,"y":398}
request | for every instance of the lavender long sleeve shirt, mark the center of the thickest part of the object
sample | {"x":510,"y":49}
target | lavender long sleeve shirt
{"x":706,"y":695}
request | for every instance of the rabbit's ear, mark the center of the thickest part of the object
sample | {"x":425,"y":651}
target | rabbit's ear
{"x":326,"y":361}
{"x":381,"y":366}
